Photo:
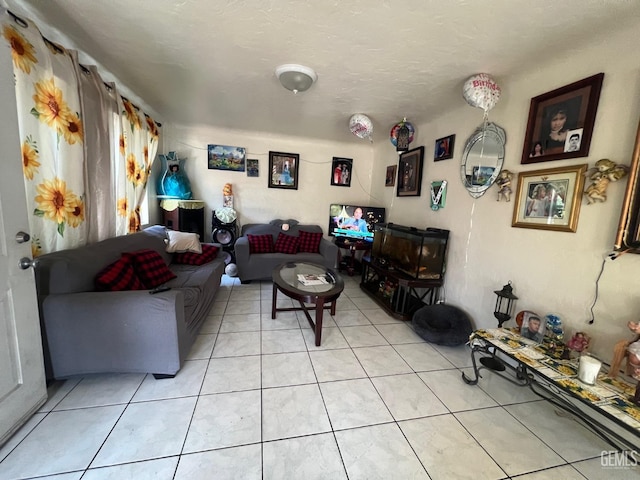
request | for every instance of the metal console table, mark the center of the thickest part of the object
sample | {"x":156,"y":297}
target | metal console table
{"x":606,"y":408}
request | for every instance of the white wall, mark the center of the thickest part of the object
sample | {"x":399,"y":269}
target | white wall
{"x":551,"y":271}
{"x":253,"y":200}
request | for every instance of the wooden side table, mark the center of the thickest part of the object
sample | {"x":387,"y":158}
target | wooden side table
{"x":353,"y":246}
{"x":184,"y":215}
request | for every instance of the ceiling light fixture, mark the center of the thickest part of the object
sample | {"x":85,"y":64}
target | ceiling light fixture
{"x":296,"y":78}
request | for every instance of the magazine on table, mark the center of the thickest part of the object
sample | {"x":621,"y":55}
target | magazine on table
{"x":312,"y":279}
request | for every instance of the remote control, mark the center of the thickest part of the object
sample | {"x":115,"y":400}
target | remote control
{"x":159,"y":289}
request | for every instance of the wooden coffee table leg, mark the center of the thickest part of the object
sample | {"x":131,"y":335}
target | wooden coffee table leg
{"x":333,"y":307}
{"x":273,"y":301}
{"x":318,"y":322}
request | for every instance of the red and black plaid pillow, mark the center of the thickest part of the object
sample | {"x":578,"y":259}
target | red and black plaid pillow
{"x":260,"y":243}
{"x":309,"y":241}
{"x":209,"y":252}
{"x":150,"y":267}
{"x":286,"y":244}
{"x":118,"y":276}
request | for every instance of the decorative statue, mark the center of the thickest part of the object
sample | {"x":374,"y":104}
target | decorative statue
{"x":629,"y":349}
{"x":604,"y":172}
{"x":504,"y":183}
{"x":174,"y":182}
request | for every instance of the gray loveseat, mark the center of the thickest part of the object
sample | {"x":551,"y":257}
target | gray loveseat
{"x":258,"y":266}
{"x":86,"y":331}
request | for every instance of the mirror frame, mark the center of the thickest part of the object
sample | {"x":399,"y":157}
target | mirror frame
{"x":491,"y":131}
{"x":628,"y":236}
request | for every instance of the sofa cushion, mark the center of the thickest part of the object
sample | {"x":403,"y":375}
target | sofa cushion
{"x":118,"y":276}
{"x":209,"y":252}
{"x":286,"y":244}
{"x":183,"y":242}
{"x":150,"y":267}
{"x":309,"y":241}
{"x":260,"y":243}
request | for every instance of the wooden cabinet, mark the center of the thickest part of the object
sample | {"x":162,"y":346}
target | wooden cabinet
{"x":184,"y":216}
{"x":399,"y":294}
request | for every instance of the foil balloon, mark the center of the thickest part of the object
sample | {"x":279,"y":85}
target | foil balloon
{"x":481,"y":91}
{"x":393,"y":135}
{"x":361,"y":126}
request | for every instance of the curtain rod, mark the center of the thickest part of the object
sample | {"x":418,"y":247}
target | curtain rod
{"x":85,"y":69}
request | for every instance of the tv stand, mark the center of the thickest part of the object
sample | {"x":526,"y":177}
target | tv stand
{"x":397,"y":292}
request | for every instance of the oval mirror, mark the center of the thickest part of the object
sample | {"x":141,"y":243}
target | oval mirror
{"x":482,"y":158}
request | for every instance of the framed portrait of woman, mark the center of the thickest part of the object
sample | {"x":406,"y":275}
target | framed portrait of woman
{"x":561,"y":122}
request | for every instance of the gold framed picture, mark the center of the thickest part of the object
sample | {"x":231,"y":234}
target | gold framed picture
{"x":549,"y":199}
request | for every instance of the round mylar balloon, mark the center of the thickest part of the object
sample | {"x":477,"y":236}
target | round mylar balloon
{"x":481,"y":91}
{"x":361,"y":126}
{"x":393,"y":135}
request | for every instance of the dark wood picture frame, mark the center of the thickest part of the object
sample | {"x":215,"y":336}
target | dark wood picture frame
{"x":283,"y":170}
{"x":443,"y":149}
{"x":574,"y":107}
{"x":410,"y":173}
{"x":341,"y":171}
{"x":390,"y":179}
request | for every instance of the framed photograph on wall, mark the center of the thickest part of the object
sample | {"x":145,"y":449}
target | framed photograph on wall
{"x":253,"y":167}
{"x":223,"y":157}
{"x":341,"y":169}
{"x":410,"y":173}
{"x":561,"y":122}
{"x":390,"y":179}
{"x":283,"y":170}
{"x":549,"y":199}
{"x":444,"y":148}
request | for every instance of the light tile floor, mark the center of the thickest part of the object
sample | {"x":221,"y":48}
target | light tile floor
{"x":258,"y":400}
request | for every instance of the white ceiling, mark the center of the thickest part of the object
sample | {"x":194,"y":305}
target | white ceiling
{"x":212,"y":62}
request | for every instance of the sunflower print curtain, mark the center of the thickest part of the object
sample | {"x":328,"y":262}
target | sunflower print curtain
{"x":138,"y":144}
{"x":66,"y":115}
{"x":52,"y":137}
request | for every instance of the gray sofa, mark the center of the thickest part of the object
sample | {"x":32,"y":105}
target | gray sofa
{"x":258,"y":266}
{"x":86,"y":331}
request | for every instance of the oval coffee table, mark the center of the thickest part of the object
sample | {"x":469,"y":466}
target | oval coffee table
{"x":321,"y":295}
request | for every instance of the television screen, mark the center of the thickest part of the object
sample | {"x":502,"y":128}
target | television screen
{"x":354,"y":221}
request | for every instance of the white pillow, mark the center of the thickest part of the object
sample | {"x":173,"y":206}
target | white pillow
{"x":183,"y":242}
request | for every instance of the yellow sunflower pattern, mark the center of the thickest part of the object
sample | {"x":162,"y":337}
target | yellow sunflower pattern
{"x":131,"y":114}
{"x":23,"y":53}
{"x":58,"y":204}
{"x":51,"y":109}
{"x":30,"y":156}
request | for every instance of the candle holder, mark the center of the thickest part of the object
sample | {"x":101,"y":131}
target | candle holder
{"x":504,"y":304}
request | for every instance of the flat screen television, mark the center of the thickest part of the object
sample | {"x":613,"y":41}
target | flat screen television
{"x":354,"y":221}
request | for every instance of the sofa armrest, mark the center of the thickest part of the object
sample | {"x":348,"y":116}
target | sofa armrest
{"x":242,"y":250}
{"x":329,"y":250}
{"x":129,"y":331}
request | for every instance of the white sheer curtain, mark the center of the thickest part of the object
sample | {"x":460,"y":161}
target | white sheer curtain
{"x":86,"y":151}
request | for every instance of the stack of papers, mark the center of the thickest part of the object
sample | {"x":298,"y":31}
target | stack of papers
{"x":310,"y":279}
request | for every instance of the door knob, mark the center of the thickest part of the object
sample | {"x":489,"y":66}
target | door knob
{"x":26,"y":262}
{"x":22,"y":237}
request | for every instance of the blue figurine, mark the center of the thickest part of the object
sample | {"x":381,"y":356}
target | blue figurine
{"x":174,"y":183}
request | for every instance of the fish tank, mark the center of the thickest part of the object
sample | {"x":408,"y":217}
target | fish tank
{"x":421,"y":254}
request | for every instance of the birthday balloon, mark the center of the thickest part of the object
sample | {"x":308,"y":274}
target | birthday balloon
{"x":481,"y":91}
{"x":361,"y":126}
{"x":393,"y":135}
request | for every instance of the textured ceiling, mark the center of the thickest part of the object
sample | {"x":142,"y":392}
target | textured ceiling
{"x":212,"y":62}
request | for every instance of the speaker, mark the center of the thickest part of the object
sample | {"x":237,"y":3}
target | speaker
{"x":224,"y":235}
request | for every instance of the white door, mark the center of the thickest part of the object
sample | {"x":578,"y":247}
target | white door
{"x":22,"y":378}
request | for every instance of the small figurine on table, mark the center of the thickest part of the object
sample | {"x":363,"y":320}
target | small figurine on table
{"x":504,"y":183}
{"x":621,"y":350}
